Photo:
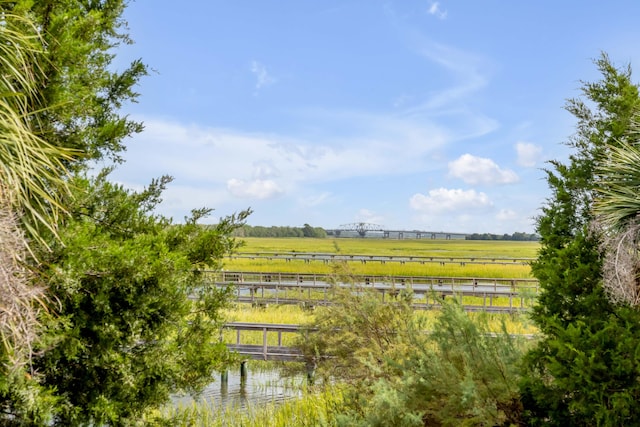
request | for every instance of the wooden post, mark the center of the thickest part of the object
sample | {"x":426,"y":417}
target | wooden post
{"x":224,"y":385}
{"x":310,"y":372}
{"x":243,"y":371}
{"x":264,"y":343}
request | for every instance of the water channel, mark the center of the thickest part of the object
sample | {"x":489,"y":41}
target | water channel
{"x":261,"y":386}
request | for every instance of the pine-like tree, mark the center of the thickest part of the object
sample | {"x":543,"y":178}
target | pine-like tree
{"x":586,"y":368}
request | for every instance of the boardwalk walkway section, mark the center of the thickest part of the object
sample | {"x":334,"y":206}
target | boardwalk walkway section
{"x":265,"y":351}
{"x":489,"y":294}
{"x":276,"y":351}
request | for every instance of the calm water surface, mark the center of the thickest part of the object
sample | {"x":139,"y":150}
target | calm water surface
{"x":259,"y":387}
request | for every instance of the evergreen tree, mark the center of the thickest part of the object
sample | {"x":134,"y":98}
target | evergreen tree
{"x":134,"y":318}
{"x":137,"y":318}
{"x":80,"y":90}
{"x":586,"y":368}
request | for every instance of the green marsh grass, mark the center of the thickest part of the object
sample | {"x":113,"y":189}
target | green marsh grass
{"x":376,"y":268}
{"x":476,"y":249}
{"x":517,"y":323}
{"x":278,"y":314}
{"x":313,"y":408}
{"x":392,"y":247}
{"x":289,"y":314}
{"x":320,"y":407}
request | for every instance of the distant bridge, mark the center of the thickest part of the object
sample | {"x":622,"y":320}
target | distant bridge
{"x":363,"y":229}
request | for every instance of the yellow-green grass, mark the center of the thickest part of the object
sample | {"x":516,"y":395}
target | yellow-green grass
{"x":313,"y":297}
{"x":311,"y":409}
{"x":277,"y":314}
{"x":288,"y":314}
{"x":516,"y":270}
{"x":293,"y":314}
{"x":386,"y":247}
{"x":391,"y":247}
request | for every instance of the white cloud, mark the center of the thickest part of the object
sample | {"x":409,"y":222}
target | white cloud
{"x":265,"y":170}
{"x":506,"y":215}
{"x":213,"y":156}
{"x":480,"y":170}
{"x":263,"y":78}
{"x":368,"y":216}
{"x":256,"y":189}
{"x":314,"y":200}
{"x":435,"y":10}
{"x":528,"y":154}
{"x":468,"y":71}
{"x":442,"y":200}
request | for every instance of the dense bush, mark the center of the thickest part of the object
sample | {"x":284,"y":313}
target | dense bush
{"x":398,"y":374}
{"x":586,"y":369}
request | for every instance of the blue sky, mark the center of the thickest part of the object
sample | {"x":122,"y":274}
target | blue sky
{"x":410,"y":114}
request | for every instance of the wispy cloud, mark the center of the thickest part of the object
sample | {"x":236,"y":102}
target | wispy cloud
{"x":464,"y":67}
{"x":262,"y":166}
{"x":434,"y":9}
{"x":528,"y":154}
{"x":314,"y":200}
{"x":443,"y":200}
{"x":480,"y":170}
{"x":506,"y":215}
{"x":263,"y":78}
{"x":257,"y":189}
{"x":368,"y":216}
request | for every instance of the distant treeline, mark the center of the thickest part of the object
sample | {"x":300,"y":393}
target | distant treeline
{"x":286,"y":231}
{"x":521,"y":237}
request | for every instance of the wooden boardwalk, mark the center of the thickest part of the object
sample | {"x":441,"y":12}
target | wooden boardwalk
{"x":277,"y":351}
{"x":491,"y":294}
{"x":265,"y":351}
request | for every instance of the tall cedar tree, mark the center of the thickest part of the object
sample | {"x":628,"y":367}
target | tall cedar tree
{"x":138,"y":316}
{"x":134,"y":319}
{"x":81,"y":92}
{"x":586,"y":369}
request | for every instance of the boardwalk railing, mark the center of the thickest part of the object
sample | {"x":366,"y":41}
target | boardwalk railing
{"x":265,"y":351}
{"x":329,"y":257}
{"x":497,"y":294}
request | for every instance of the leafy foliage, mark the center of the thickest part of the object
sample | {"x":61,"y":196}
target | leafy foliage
{"x":517,"y":236}
{"x":80,"y":90}
{"x":351,"y":337}
{"x":31,"y":169}
{"x":275,"y":231}
{"x":458,"y":374}
{"x":584,"y":370}
{"x":31,"y":184}
{"x":134,"y":319}
{"x":137,"y":320}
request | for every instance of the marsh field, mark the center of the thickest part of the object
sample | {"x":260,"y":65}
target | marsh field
{"x":324,"y":403}
{"x":395,"y":247}
{"x":479,"y":250}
